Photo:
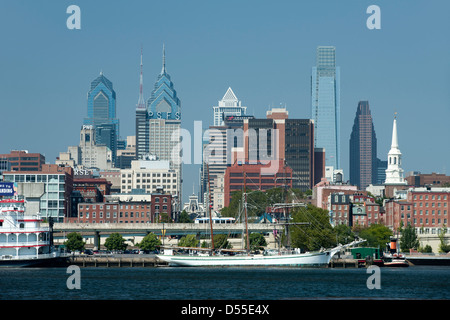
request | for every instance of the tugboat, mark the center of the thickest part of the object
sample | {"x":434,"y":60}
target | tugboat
{"x":393,"y":258}
{"x":23,"y":241}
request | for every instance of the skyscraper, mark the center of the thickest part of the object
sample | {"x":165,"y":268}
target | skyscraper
{"x":325,"y":104}
{"x":158,"y":123}
{"x":363,"y":148}
{"x":228,"y":106}
{"x":142,"y":137}
{"x":101,"y":112}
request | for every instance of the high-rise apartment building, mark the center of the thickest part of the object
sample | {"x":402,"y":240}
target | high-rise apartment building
{"x":325,"y":104}
{"x":363,"y":148}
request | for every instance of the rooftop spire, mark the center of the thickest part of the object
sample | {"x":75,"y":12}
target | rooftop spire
{"x":141,"y":102}
{"x":394,"y":143}
{"x":164,"y":60}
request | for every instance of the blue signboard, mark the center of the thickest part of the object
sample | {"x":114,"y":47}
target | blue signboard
{"x":6,"y":188}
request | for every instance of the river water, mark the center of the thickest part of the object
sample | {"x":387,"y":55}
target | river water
{"x":170,"y":283}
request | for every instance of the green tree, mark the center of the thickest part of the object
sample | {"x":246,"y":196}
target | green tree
{"x":344,"y":234}
{"x":184,"y":217}
{"x":317,"y":234}
{"x":221,"y":242}
{"x":443,"y":247}
{"x":257,"y":241}
{"x":115,"y":242}
{"x":426,"y":249}
{"x":74,"y":242}
{"x":189,"y":240}
{"x":409,"y":239}
{"x":164,"y":217}
{"x":377,"y":235}
{"x":150,"y":242}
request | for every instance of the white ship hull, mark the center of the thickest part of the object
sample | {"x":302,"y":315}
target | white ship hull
{"x":317,"y":259}
{"x":311,"y":259}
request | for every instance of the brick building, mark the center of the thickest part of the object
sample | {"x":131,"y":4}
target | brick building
{"x":21,"y":160}
{"x":257,"y":177}
{"x":354,"y":209}
{"x":114,"y":212}
{"x":422,"y":208}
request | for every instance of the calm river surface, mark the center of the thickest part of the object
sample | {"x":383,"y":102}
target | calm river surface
{"x":167,"y":283}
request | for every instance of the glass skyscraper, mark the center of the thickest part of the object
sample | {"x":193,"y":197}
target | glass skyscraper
{"x":325,"y":104}
{"x":363,"y":149}
{"x":158,"y":123}
{"x":101,"y":113}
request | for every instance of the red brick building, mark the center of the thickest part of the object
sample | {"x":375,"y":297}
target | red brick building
{"x":113,"y":212}
{"x":423,"y":207}
{"x":354,"y":209}
{"x":21,"y":160}
{"x":161,"y":205}
{"x":257,"y":177}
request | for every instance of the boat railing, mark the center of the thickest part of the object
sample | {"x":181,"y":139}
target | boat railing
{"x":30,"y":256}
{"x":12,"y":244}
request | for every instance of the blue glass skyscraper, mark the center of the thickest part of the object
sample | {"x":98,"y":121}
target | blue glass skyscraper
{"x":325,"y":104}
{"x":101,"y":112}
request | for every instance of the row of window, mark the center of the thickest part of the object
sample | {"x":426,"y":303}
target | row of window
{"x":151,"y":175}
{"x":114,"y":214}
{"x":94,"y":206}
{"x":432,"y":197}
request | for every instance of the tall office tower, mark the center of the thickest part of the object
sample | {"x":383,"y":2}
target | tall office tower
{"x":325,"y":105}
{"x":101,"y":111}
{"x":158,"y":124}
{"x":142,"y":137}
{"x":228,"y":106}
{"x":363,"y":148}
{"x":394,"y":171}
{"x":280,"y":141}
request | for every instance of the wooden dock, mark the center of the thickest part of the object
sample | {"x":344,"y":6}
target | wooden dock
{"x":110,"y":261}
{"x":344,"y":263}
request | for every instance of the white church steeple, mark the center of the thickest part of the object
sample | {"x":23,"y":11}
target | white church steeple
{"x":394,"y":171}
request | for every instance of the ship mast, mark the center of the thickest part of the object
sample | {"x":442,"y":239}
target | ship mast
{"x":246,"y":217}
{"x":209,"y":210}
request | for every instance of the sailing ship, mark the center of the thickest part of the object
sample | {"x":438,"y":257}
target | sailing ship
{"x":243,"y":257}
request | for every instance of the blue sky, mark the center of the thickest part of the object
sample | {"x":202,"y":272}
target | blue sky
{"x":264,"y":50}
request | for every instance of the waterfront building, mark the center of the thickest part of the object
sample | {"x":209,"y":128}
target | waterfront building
{"x":47,"y":191}
{"x":114,"y":212}
{"x":229,"y":106}
{"x":325,"y":104}
{"x":363,"y":148}
{"x":22,"y":160}
{"x":150,"y":175}
{"x":425,"y":208}
{"x":322,"y":190}
{"x":353,"y":209}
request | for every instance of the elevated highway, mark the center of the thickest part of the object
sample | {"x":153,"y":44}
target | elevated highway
{"x":163,"y":228}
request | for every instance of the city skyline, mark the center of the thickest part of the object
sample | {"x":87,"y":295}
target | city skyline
{"x":391,"y":68}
